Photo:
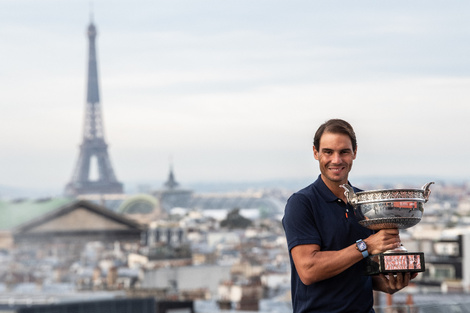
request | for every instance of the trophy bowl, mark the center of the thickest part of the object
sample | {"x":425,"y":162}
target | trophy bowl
{"x":388,"y":208}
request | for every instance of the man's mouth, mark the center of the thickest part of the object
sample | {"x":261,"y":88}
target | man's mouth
{"x":336,"y":169}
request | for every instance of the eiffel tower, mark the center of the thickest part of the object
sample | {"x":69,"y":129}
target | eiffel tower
{"x":93,"y":149}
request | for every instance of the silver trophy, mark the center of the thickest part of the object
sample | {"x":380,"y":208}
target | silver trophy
{"x":390,"y":208}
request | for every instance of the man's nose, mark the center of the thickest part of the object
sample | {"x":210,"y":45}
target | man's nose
{"x":336,"y":158}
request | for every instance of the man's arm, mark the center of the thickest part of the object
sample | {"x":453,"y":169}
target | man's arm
{"x":314,"y":265}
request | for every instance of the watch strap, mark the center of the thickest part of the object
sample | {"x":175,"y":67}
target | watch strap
{"x":365,"y":253}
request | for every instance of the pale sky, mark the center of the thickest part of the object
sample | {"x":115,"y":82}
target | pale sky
{"x":233,"y":90}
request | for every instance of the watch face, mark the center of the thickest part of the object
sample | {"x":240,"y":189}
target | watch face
{"x":361,"y":245}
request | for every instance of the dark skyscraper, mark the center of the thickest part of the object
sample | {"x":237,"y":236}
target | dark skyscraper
{"x":93,"y":150}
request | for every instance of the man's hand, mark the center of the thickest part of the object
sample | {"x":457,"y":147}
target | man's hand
{"x":392,"y":283}
{"x":383,"y":240}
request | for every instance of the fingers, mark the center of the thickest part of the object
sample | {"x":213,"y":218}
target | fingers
{"x":393,"y":245}
{"x":392,"y":235}
{"x":398,"y":281}
{"x":392,"y":281}
{"x":385,"y":239}
{"x":406,"y":280}
{"x":391,"y":231}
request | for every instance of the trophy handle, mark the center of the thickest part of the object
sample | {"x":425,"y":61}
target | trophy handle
{"x":427,"y":191}
{"x":350,"y":194}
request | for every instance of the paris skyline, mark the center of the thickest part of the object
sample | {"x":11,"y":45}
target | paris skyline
{"x":234,"y":90}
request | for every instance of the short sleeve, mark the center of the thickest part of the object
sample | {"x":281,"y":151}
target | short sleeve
{"x":299,"y":222}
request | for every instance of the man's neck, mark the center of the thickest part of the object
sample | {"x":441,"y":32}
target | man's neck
{"x":335,"y":188}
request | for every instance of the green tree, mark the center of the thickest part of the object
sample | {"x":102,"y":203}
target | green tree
{"x":234,"y":220}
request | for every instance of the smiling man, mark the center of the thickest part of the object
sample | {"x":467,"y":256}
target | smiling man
{"x":327,"y":246}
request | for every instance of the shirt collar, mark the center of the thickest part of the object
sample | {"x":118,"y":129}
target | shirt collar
{"x":325,"y":192}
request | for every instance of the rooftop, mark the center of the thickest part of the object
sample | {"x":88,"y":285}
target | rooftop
{"x":17,"y":212}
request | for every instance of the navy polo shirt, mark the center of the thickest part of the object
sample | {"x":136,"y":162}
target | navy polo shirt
{"x":314,"y":215}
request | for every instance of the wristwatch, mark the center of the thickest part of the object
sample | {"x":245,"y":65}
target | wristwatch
{"x":362,"y":247}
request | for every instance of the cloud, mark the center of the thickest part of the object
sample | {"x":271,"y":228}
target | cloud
{"x":235,"y":89}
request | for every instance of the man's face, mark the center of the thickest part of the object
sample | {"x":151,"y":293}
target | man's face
{"x":336,"y":157}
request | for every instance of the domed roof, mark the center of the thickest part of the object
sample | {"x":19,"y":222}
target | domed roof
{"x":139,"y":204}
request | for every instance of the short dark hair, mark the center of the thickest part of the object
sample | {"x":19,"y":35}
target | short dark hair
{"x":335,"y":126}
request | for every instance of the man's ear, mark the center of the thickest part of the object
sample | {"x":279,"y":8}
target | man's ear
{"x":315,"y":153}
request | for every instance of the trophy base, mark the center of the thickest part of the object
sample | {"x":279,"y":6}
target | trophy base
{"x":395,"y":262}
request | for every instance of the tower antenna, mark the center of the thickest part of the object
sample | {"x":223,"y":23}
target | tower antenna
{"x":91,"y":12}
